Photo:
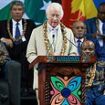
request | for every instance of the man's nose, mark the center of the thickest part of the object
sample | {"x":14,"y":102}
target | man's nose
{"x":17,"y":11}
{"x":55,"y":18}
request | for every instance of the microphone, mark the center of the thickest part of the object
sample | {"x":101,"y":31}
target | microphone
{"x":51,"y":44}
{"x":53,"y":36}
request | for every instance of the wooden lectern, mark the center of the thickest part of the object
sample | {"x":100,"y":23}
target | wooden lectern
{"x":61,"y":79}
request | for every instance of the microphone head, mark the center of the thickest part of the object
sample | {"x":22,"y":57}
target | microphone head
{"x":53,"y":36}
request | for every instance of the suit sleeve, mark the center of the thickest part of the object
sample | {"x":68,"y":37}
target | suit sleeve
{"x":73,"y":48}
{"x":31,"y":52}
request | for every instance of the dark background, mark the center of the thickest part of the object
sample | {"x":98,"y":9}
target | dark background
{"x":58,"y":1}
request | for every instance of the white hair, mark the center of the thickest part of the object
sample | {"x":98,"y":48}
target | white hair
{"x":56,"y":6}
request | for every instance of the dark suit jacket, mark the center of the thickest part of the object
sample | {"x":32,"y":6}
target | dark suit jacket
{"x":18,"y":51}
{"x":91,"y":27}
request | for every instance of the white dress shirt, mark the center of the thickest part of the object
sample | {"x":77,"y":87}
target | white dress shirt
{"x":20,"y":28}
{"x":76,"y":39}
{"x":52,"y":36}
{"x":100,"y":24}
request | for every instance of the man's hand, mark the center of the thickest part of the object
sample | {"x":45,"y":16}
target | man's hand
{"x":7,"y":41}
{"x":42,"y":59}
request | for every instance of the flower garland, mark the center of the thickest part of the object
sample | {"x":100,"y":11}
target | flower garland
{"x":23,"y":33}
{"x":92,"y":75}
{"x":47,"y":42}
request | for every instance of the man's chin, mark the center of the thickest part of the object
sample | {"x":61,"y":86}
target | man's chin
{"x":54,"y":25}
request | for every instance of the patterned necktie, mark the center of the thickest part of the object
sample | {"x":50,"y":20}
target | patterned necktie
{"x":17,"y":31}
{"x":103,"y":28}
{"x":79,"y":46}
{"x":17,"y":34}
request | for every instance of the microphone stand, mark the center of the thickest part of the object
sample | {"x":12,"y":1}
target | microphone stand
{"x":71,"y":42}
{"x":50,"y":46}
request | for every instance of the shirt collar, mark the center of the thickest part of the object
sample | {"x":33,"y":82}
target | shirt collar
{"x":82,"y":39}
{"x":50,"y":27}
{"x":14,"y":22}
{"x":99,"y":21}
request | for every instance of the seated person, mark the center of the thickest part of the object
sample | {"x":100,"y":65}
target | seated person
{"x":79,"y":30}
{"x":4,"y":92}
{"x":96,"y":31}
{"x":95,"y":78}
{"x":15,"y":33}
{"x":11,"y":72}
{"x":87,"y":51}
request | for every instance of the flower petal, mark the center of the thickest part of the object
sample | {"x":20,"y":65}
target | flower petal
{"x":57,"y":100}
{"x":65,"y":102}
{"x":78,"y":92}
{"x":57,"y":83}
{"x":73,"y":100}
{"x":74,"y":83}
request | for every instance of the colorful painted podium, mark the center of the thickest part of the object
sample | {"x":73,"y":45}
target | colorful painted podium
{"x":61,"y":79}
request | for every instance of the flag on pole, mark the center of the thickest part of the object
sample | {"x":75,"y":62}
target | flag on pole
{"x":5,"y":9}
{"x":78,"y":10}
{"x":97,"y":2}
{"x":34,"y":9}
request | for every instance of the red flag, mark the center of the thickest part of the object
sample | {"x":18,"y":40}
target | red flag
{"x":77,"y":10}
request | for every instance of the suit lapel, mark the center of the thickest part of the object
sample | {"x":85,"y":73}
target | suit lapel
{"x":11,"y":26}
{"x":23,"y":22}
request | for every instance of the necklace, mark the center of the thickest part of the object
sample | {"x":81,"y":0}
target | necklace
{"x":47,"y":42}
{"x":10,"y":34}
{"x":92,"y":75}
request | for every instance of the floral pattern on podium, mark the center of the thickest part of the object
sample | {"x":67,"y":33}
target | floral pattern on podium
{"x":66,"y":90}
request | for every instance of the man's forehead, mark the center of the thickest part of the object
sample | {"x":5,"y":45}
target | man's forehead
{"x":88,"y":47}
{"x":88,"y":44}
